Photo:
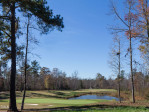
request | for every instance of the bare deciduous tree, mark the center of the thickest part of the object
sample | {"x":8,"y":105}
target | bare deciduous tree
{"x":129,"y":23}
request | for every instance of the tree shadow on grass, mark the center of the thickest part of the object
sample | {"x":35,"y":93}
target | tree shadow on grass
{"x":82,"y":108}
{"x":4,"y":96}
{"x":3,"y":100}
{"x":45,"y":96}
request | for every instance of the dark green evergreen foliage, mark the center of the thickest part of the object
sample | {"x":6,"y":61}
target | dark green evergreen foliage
{"x":5,"y":41}
{"x":46,"y":20}
{"x":5,"y":49}
{"x":45,"y":17}
{"x":35,"y":67}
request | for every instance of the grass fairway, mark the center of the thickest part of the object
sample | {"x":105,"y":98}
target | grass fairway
{"x":36,"y":103}
{"x":61,"y":101}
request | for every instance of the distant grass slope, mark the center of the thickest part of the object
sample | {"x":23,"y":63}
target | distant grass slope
{"x":58,"y":94}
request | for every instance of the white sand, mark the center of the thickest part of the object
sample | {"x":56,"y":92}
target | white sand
{"x":32,"y":104}
{"x":50,"y":105}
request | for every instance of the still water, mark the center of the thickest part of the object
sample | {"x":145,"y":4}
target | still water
{"x":95,"y":97}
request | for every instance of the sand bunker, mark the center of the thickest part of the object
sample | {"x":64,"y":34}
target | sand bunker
{"x":32,"y":104}
{"x":50,"y":105}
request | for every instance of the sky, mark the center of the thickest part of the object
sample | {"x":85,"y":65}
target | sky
{"x":84,"y":43}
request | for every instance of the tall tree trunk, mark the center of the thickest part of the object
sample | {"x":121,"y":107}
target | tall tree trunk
{"x":21,"y":89}
{"x":119,"y":78}
{"x":34,"y":81}
{"x":25,"y":69}
{"x":0,"y":69}
{"x":12,"y":103}
{"x":130,"y":45}
{"x":146,"y":17}
{"x":132,"y":80}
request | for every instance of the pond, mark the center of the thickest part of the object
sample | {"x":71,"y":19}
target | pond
{"x":95,"y":97}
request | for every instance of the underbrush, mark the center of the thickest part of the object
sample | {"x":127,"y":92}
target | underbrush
{"x":119,"y":109}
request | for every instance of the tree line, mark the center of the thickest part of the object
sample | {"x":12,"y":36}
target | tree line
{"x":42,"y":78}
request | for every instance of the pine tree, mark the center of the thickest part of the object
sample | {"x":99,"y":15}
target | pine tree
{"x":45,"y":19}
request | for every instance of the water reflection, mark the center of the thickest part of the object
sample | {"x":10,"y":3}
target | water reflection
{"x":95,"y":97}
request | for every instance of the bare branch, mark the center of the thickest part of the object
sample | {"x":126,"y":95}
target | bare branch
{"x":6,"y":33}
{"x":4,"y":17}
{"x":115,"y":11}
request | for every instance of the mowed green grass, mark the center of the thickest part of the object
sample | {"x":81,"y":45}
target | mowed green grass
{"x":49,"y":103}
{"x":57,"y":101}
{"x":62,"y":101}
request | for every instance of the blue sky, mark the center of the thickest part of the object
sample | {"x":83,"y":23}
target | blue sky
{"x":84,"y":44}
